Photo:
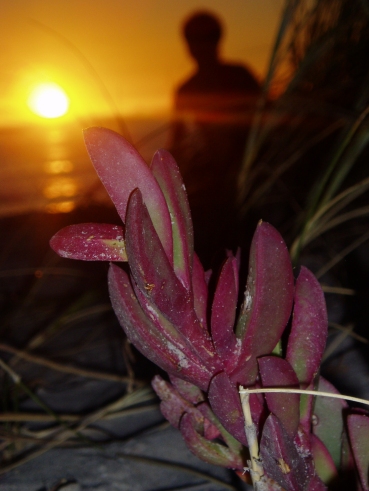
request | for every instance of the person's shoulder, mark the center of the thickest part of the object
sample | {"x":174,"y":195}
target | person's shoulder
{"x":239,"y":70}
{"x":189,"y":85}
{"x":242,"y":75}
{"x":184,"y":94}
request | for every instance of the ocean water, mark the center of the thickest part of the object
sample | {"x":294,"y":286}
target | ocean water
{"x":46,"y":167}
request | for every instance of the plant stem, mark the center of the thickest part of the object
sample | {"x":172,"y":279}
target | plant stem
{"x":318,"y":393}
{"x":255,"y":465}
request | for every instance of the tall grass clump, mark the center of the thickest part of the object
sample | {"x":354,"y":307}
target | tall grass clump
{"x":307,"y":145}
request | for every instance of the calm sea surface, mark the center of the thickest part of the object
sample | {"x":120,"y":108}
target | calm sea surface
{"x":46,"y":168}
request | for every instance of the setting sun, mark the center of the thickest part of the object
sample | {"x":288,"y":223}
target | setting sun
{"x":48,"y":101}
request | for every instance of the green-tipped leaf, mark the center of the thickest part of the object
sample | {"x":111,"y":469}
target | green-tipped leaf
{"x":328,"y":420}
{"x":223,"y":312}
{"x":323,"y":461}
{"x":309,"y":330}
{"x":166,"y":172}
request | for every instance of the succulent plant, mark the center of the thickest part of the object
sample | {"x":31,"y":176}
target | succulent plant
{"x":211,"y":347}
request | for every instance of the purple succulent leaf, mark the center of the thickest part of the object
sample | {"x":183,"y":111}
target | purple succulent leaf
{"x":328,"y":422}
{"x":90,"y":242}
{"x":234,"y":445}
{"x":225,"y":402}
{"x":199,"y":290}
{"x":166,"y":172}
{"x":173,"y":405}
{"x":323,"y":461}
{"x":306,"y":342}
{"x":156,"y":279}
{"x":223,"y":313}
{"x":280,"y":457}
{"x":144,"y":334}
{"x":358,"y":428}
{"x":122,"y":169}
{"x":277,"y":372}
{"x":189,"y":363}
{"x":302,"y":442}
{"x":149,"y":264}
{"x":268,"y":301}
{"x":187,"y":390}
{"x":138,"y":328}
{"x":211,"y":452}
{"x":211,"y":432}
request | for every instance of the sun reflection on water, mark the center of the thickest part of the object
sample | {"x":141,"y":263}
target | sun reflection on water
{"x":58,"y":166}
{"x":61,"y":188}
{"x":61,"y":207}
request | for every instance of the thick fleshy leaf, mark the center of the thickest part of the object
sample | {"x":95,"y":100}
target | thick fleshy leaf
{"x":173,"y":405}
{"x":309,"y":330}
{"x":323,"y":461}
{"x":155,"y":278}
{"x":189,"y":391}
{"x":90,"y":242}
{"x":277,"y":372}
{"x":199,"y":291}
{"x":176,"y":341}
{"x":358,"y":428}
{"x":328,"y":423}
{"x":149,"y":264}
{"x":144,"y":335}
{"x":225,"y":402}
{"x":166,"y":172}
{"x":281,"y":460}
{"x":122,"y":169}
{"x":268,"y":301}
{"x":211,"y":452}
{"x":234,"y":445}
{"x":223,"y":313}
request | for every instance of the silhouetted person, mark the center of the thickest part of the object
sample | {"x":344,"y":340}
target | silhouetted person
{"x":213,"y":113}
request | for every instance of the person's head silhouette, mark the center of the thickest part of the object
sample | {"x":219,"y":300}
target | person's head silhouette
{"x":203,"y":32}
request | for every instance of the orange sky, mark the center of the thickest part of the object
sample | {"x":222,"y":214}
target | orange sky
{"x":135,"y":48}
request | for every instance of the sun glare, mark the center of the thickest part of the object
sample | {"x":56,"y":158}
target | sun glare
{"x":48,"y":101}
